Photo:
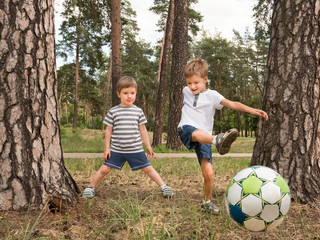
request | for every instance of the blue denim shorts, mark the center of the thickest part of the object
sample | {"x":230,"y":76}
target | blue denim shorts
{"x":136,"y":160}
{"x":202,"y":150}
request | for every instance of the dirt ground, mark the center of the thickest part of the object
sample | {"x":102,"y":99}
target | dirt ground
{"x":99,"y":218}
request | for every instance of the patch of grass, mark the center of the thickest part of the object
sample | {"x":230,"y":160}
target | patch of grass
{"x":243,"y":145}
{"x":82,"y":140}
{"x":92,"y":141}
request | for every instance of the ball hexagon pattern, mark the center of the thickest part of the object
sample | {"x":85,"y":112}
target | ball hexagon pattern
{"x":258,"y":198}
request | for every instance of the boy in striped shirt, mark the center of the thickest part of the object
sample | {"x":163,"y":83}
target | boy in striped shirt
{"x":123,"y":139}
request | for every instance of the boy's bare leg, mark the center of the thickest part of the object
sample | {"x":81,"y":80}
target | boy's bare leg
{"x":154,"y":175}
{"x":201,"y":136}
{"x":208,"y":176}
{"x":103,"y":170}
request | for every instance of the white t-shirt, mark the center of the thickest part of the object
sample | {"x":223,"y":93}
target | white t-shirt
{"x":198,"y":110}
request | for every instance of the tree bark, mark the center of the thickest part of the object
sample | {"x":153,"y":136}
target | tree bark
{"x":116,"y":47}
{"x":31,"y":161}
{"x":163,"y":78}
{"x":289,"y":142}
{"x":179,"y":61}
{"x":76,"y":91}
{"x":106,"y":95}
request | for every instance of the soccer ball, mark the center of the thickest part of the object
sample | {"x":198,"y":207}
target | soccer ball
{"x":258,"y":198}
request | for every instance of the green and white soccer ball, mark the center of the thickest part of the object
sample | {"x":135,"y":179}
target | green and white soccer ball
{"x":258,"y":198}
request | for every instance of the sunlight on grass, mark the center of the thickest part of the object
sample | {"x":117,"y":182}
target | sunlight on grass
{"x":92,"y":141}
{"x":82,"y":140}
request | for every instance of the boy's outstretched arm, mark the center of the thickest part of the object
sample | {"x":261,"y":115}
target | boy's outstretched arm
{"x":244,"y":108}
{"x":145,"y":138}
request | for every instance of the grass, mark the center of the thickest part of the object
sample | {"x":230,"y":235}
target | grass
{"x":92,"y":141}
{"x":128,"y":204}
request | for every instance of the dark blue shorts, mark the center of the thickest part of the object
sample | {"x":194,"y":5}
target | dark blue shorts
{"x":202,"y":150}
{"x":136,"y":160}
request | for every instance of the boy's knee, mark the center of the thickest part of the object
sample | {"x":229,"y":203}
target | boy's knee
{"x":147,"y":169}
{"x":195,"y":135}
{"x":105,"y":169}
{"x":208,"y":175}
{"x":207,"y":172}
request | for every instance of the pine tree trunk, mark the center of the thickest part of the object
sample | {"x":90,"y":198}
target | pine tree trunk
{"x":163,"y":78}
{"x":76,"y":91}
{"x":106,"y":95}
{"x":179,"y":61}
{"x":31,"y":161}
{"x":116,"y":48}
{"x":290,"y":141}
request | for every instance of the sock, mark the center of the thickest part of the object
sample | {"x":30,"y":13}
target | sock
{"x":214,"y":140}
{"x":204,"y":201}
{"x":163,"y":187}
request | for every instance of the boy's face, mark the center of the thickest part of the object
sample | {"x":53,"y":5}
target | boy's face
{"x":197,"y":84}
{"x":127,"y":96}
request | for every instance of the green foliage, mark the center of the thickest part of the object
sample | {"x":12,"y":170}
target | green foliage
{"x":84,"y":24}
{"x":161,"y":7}
{"x":90,"y":96}
{"x":236,"y":66}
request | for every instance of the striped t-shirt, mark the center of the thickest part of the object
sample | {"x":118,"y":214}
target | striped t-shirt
{"x":125,"y":121}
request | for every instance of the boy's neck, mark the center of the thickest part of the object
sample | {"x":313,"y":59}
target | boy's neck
{"x":122,"y":105}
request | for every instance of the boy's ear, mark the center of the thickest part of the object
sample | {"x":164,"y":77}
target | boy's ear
{"x":118,"y":93}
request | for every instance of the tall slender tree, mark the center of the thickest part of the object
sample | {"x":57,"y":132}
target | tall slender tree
{"x":164,"y":64}
{"x":83,"y":35}
{"x":179,"y":61}
{"x":116,"y":57}
{"x":289,"y":141}
{"x":31,"y":160}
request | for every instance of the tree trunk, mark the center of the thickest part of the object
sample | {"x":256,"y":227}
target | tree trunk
{"x":116,"y":47}
{"x":76,"y":91}
{"x":31,"y":161}
{"x":289,"y":142}
{"x":106,"y":95}
{"x":163,"y":78}
{"x":66,"y":110}
{"x":179,"y":61}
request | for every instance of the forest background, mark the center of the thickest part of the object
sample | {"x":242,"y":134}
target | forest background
{"x":236,"y":65}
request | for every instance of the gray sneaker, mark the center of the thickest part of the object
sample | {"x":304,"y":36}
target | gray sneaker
{"x":167,"y":192}
{"x":210,"y":208}
{"x":224,"y":140}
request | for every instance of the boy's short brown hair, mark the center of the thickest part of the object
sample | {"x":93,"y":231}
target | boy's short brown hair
{"x":126,"y":82}
{"x":197,"y":67}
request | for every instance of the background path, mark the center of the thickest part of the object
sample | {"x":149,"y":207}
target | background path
{"x":159,"y":155}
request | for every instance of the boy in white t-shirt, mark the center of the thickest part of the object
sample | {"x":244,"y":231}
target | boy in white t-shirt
{"x":196,"y":124}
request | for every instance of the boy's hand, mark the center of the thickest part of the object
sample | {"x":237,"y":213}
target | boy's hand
{"x":150,"y":153}
{"x":261,"y":114}
{"x":106,"y":155}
